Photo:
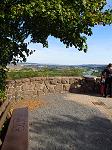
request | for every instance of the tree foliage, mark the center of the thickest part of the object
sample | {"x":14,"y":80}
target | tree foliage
{"x":70,"y":21}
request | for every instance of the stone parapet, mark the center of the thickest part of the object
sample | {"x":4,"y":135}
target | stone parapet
{"x":31,"y":88}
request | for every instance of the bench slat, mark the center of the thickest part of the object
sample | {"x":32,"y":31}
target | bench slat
{"x":3,"y":117}
{"x":17,"y":134}
{"x":3,"y":106}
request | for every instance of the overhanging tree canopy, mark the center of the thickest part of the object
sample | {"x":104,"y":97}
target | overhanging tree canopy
{"x":67,"y":20}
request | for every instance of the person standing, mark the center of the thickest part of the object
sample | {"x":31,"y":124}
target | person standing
{"x":107,"y":74}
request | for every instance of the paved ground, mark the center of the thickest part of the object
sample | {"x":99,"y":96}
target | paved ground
{"x":72,"y":122}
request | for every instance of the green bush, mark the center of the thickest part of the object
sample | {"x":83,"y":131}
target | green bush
{"x":2,"y":96}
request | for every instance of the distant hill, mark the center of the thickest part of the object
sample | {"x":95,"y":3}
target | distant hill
{"x":37,"y":65}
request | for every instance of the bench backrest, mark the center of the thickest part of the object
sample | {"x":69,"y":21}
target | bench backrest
{"x":4,"y":109}
{"x":4,"y":113}
{"x":17,"y":134}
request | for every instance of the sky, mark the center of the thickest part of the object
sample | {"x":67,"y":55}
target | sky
{"x":99,"y":50}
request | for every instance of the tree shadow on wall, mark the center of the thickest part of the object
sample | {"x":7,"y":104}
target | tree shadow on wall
{"x":85,"y":90}
{"x":71,"y":133}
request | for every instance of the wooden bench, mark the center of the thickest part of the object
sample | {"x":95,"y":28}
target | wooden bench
{"x":17,"y":133}
{"x":4,"y":110}
{"x":4,"y":113}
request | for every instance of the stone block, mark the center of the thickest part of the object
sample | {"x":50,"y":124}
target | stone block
{"x":42,"y":86}
{"x":26,"y":87}
{"x":37,"y":87}
{"x":58,"y":80}
{"x":36,"y":80}
{"x":11,"y":90}
{"x":18,"y":88}
{"x":45,"y":90}
{"x":58,"y":88}
{"x":18,"y":83}
{"x":65,"y":80}
{"x":40,"y":93}
{"x":54,"y":82}
{"x":46,"y":82}
{"x":66,"y":87}
{"x":10,"y":97}
{"x":25,"y":80}
{"x":50,"y":88}
{"x":71,"y":80}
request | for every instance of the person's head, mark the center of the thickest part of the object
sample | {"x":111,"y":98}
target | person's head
{"x":110,"y":66}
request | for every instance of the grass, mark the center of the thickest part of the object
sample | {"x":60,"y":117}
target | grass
{"x":45,"y":72}
{"x":98,"y":74}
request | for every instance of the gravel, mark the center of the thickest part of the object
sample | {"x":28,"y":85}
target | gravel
{"x":67,"y":125}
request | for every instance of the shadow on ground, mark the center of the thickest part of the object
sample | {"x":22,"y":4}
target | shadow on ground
{"x":67,"y":132}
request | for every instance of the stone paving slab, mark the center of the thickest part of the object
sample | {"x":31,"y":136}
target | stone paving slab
{"x":71,"y":122}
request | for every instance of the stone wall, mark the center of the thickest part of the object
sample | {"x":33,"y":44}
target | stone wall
{"x":31,"y":88}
